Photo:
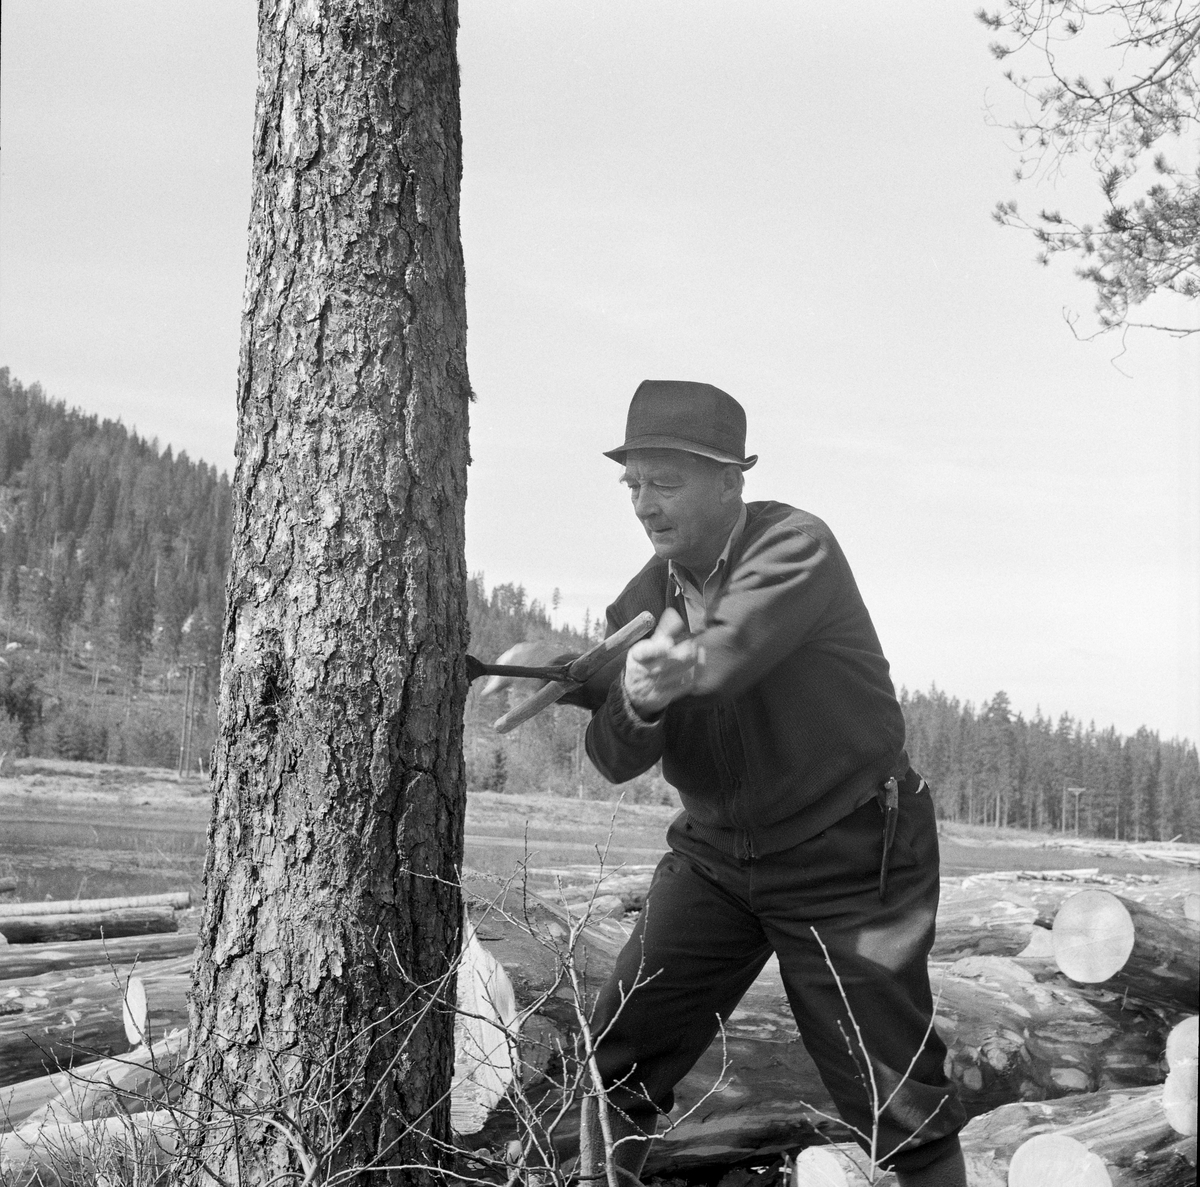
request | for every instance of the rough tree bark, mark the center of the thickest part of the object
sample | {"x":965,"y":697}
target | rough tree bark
{"x":320,"y":1033}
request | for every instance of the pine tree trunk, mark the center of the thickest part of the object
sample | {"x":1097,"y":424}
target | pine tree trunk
{"x":319,"y":1029}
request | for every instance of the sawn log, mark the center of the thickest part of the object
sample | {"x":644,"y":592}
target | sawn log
{"x":43,"y":929}
{"x":29,"y":960}
{"x":1102,"y":938}
{"x":175,"y":900}
{"x":130,"y":1083}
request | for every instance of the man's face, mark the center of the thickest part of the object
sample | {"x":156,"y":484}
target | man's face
{"x":685,"y":504}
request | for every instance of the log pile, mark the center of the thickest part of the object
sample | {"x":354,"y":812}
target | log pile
{"x":1035,"y":1053}
{"x":1171,"y":852}
{"x":60,"y":1019}
{"x":1112,"y":1137}
{"x":1017,"y":1029}
{"x":86,"y":986}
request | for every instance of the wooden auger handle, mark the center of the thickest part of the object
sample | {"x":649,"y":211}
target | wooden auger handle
{"x":586,"y":666}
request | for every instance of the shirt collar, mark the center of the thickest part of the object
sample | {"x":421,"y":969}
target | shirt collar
{"x":679,"y":574}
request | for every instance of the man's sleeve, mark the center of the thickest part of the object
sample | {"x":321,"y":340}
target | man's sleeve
{"x":620,"y":743}
{"x":780,"y":589}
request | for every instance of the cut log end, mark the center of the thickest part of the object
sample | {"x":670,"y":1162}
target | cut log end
{"x":818,"y":1167}
{"x":485,"y":1036}
{"x":1093,"y":936}
{"x":1055,"y":1158}
{"x":135,"y":1012}
{"x":1183,"y":1041}
{"x":1179,"y":1092}
{"x":1040,"y":946}
{"x":1191,"y":906}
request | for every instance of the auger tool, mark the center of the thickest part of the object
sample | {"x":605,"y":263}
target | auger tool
{"x":562,"y":677}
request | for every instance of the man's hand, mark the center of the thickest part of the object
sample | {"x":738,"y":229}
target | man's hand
{"x":662,"y":669}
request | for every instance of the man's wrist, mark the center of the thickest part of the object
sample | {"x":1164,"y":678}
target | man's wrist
{"x":638,"y":715}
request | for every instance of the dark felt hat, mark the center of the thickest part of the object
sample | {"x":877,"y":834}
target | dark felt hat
{"x":694,"y":417}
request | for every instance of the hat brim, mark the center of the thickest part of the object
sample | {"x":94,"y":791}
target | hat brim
{"x":618,"y":454}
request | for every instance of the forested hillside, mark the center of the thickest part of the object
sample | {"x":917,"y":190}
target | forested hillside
{"x":112,"y":573}
{"x":113,"y":556}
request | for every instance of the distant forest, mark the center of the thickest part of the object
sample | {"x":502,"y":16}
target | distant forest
{"x":992,"y":766}
{"x":113,"y":556}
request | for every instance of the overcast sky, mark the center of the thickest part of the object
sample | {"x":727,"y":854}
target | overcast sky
{"x":789,"y":200}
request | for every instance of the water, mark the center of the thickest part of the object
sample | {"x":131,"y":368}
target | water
{"x":65,"y":858}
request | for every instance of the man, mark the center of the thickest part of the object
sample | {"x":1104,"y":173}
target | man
{"x":804,"y":831}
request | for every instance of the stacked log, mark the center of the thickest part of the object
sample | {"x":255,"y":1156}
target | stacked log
{"x":1127,"y":1131}
{"x":1013,"y":1037}
{"x":1100,"y":937}
{"x":983,"y":925}
{"x":984,"y":915}
{"x":1016,"y":1029}
{"x":28,"y":960}
{"x":47,"y":929}
{"x":131,"y":1083}
{"x":1171,"y":852}
{"x":1168,"y":895}
{"x":972,"y":921}
{"x":1010,"y":1036}
{"x":88,"y":919}
{"x":179,"y":900}
{"x":1044,"y":896}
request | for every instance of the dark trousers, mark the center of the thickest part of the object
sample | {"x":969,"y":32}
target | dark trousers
{"x":709,"y":925}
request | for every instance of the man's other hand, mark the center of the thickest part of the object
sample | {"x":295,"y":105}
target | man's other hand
{"x":662,"y":668}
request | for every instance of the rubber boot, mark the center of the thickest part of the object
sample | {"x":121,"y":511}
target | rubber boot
{"x":631,"y":1144}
